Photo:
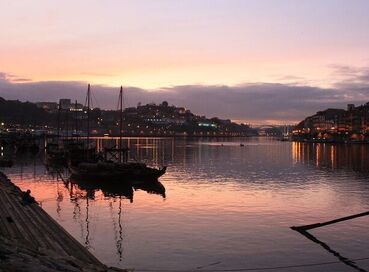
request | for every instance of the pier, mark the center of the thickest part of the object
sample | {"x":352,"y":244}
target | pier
{"x":30,"y":240}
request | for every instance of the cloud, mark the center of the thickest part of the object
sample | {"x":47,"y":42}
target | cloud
{"x":2,"y":76}
{"x":353,"y":81}
{"x":256,"y":102}
{"x":20,"y":79}
{"x":351,"y":74}
{"x":253,"y":103}
{"x":13,"y":78}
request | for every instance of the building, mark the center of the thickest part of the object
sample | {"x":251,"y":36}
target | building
{"x":65,"y":104}
{"x":76,"y":107}
{"x":336,"y":124}
{"x":47,"y":106}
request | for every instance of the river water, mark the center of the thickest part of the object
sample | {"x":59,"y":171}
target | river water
{"x":225,"y":206}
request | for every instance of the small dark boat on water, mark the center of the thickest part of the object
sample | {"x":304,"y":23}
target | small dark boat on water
{"x":60,"y":155}
{"x":22,"y":148}
{"x":56,"y":158}
{"x":54,"y":155}
{"x":6,"y":162}
{"x":112,"y":171}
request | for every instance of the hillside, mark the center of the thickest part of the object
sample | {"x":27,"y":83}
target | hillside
{"x":15,"y":111}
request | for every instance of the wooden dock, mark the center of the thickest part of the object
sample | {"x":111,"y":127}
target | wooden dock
{"x":30,"y":240}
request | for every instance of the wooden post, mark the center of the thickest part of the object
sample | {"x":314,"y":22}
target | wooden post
{"x":318,"y":225}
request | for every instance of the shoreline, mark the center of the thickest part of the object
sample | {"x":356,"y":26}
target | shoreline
{"x":30,"y":240}
{"x":331,"y":142}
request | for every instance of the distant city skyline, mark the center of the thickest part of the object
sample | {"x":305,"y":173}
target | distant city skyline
{"x":257,"y":61}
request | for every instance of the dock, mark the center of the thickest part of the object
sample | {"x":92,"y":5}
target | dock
{"x":31,"y":240}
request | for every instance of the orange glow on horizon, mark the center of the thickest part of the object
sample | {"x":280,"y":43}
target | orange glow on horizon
{"x":159,"y":74}
{"x":179,"y":44}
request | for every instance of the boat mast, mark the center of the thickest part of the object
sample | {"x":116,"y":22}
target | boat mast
{"x":59,"y":121}
{"x":88,"y":116}
{"x":121,"y":122}
{"x":76,"y":118}
{"x":67,"y":122}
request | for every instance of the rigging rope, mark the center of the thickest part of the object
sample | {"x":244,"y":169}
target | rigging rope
{"x":96,"y":101}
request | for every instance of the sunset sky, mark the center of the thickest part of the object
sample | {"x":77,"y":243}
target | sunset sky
{"x":231,"y":49}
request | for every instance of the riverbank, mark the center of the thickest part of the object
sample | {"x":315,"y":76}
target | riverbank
{"x":30,"y":240}
{"x":322,"y":141}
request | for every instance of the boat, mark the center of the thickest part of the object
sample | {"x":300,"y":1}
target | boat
{"x":54,"y":155}
{"x":115,"y":171}
{"x":56,"y":158}
{"x":125,"y":189}
{"x":24,"y":146}
{"x":156,"y":188}
{"x":99,"y":168}
{"x":6,"y":162}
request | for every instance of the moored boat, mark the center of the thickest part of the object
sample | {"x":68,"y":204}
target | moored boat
{"x":94,"y":167}
{"x":6,"y":162}
{"x":111,"y":171}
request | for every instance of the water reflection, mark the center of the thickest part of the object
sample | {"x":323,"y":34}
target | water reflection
{"x":155,"y":151}
{"x":344,"y":156}
{"x":81,"y":192}
{"x":335,"y":253}
{"x":227,"y":205}
{"x":114,"y":189}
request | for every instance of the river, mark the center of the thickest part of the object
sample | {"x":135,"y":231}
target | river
{"x":225,"y":206}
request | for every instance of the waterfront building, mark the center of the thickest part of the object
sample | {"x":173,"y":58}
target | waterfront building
{"x":76,"y":107}
{"x":65,"y":104}
{"x":336,"y":125}
{"x":47,"y":106}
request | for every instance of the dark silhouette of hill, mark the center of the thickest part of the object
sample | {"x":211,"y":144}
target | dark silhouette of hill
{"x":15,"y":111}
{"x":150,"y":119}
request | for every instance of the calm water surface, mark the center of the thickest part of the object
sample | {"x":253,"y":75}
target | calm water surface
{"x":225,"y":206}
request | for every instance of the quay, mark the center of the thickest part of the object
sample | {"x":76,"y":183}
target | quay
{"x":30,"y":240}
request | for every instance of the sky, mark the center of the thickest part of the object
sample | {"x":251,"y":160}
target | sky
{"x":257,"y":61}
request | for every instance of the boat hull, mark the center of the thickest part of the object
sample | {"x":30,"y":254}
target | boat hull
{"x":122,"y":172}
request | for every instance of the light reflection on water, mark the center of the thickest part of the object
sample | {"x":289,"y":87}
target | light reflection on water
{"x":225,"y":204}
